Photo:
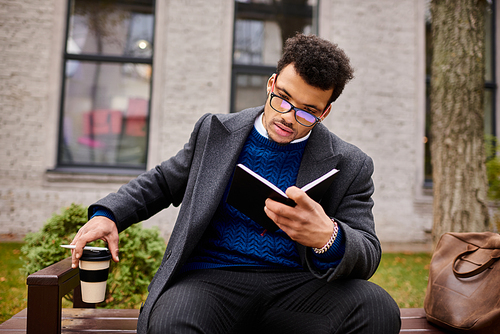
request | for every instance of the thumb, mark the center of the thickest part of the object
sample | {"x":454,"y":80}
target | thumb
{"x":299,"y":196}
{"x":114,"y":253}
{"x":113,"y":248}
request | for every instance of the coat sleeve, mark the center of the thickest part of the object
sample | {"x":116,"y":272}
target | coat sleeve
{"x":154,"y":190}
{"x":355,"y":219}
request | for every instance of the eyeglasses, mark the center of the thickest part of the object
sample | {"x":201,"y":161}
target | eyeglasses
{"x":282,"y":106}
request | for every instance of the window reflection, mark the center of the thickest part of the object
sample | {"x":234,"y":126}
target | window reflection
{"x":260,"y":29}
{"x":250,"y":90}
{"x":106,"y":115}
{"x":110,"y":27}
{"x":248,"y":44}
{"x":107,"y":84}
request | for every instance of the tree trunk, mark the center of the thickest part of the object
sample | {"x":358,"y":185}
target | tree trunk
{"x":457,"y":117}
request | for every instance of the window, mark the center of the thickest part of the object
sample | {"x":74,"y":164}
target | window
{"x":260,"y":29}
{"x":490,"y":81}
{"x":106,"y":84}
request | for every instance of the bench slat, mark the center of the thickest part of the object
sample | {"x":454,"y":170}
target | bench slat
{"x":81,"y":313}
{"x":122,"y":321}
{"x":413,"y":321}
{"x":102,"y":325}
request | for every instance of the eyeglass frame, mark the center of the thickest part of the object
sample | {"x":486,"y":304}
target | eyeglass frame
{"x":295,"y":109}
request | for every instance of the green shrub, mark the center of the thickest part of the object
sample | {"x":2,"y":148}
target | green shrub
{"x":493,"y":172}
{"x":493,"y":168}
{"x":141,"y":251}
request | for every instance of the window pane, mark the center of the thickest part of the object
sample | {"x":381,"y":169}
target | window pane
{"x":261,"y":28}
{"x":250,"y":90}
{"x":111,"y":27}
{"x":489,"y":126}
{"x":428,"y":40}
{"x":105,"y":117}
{"x":427,"y":139}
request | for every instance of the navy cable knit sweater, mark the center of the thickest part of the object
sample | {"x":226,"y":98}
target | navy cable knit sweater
{"x":233,"y":239}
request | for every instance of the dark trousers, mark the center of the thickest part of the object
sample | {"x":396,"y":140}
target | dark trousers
{"x":266,"y":301}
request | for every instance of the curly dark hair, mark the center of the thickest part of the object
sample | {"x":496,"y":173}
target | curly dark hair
{"x":319,"y":62}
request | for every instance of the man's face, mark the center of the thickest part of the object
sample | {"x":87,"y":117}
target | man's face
{"x":289,"y":85}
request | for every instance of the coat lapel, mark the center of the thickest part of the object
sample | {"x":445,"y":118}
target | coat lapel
{"x":319,"y":156}
{"x":226,"y":138}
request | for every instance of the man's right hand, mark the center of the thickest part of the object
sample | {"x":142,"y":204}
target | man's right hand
{"x":98,"y":227}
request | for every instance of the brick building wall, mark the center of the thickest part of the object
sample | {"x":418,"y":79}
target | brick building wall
{"x":381,"y":110}
{"x":26,"y":41}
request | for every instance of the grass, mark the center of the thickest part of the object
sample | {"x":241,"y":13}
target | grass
{"x":13,"y":291}
{"x":403,"y":275}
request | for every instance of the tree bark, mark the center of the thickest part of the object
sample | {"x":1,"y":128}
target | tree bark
{"x":457,"y":117}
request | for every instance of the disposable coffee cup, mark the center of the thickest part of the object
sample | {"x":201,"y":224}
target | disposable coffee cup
{"x":94,"y":268}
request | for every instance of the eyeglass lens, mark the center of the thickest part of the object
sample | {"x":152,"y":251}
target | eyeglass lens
{"x":302,"y":116}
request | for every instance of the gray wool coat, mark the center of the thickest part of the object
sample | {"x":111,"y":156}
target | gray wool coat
{"x":198,"y":175}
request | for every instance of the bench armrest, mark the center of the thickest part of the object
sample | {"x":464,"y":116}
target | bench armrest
{"x":46,"y":288}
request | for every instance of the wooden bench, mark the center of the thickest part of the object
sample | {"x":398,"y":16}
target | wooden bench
{"x":45,"y":314}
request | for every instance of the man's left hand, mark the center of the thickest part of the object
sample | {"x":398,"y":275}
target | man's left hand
{"x":306,"y":223}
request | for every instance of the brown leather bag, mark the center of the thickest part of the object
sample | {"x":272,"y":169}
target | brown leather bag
{"x":463,"y":292}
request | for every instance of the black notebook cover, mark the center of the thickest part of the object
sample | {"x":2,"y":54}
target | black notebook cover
{"x":248,"y":193}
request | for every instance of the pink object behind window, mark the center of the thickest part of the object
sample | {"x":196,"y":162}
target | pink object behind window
{"x":102,"y":122}
{"x":136,"y":117}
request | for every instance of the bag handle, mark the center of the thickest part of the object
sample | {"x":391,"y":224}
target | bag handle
{"x":471,"y":249}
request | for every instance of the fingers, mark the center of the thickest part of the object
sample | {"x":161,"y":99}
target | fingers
{"x":306,"y":223}
{"x":300,"y":197}
{"x":280,"y":213}
{"x":113,"y":246}
{"x":97,"y":228}
{"x":76,"y":253}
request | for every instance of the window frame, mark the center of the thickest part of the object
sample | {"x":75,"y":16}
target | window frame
{"x":103,"y":59}
{"x":260,"y":12}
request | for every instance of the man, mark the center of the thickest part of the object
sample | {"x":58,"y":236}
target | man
{"x":222,"y":272}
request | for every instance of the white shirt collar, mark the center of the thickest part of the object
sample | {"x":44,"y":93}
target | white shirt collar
{"x":261,"y":130}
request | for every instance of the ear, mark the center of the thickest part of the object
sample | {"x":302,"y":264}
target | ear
{"x":326,"y":112}
{"x":270,"y":83}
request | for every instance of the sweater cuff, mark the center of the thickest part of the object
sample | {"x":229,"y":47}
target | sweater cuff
{"x":101,"y":211}
{"x":336,"y":250}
